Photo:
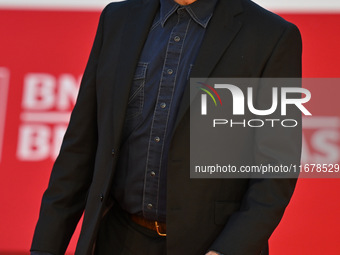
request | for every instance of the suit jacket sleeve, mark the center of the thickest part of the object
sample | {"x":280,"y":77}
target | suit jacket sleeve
{"x":249,"y":229}
{"x":64,"y":200}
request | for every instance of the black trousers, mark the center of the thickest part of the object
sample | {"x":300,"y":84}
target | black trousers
{"x":119,"y":235}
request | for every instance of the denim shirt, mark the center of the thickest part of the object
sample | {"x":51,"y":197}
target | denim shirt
{"x":161,"y":75}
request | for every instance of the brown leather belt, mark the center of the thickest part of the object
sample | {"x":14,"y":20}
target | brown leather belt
{"x":159,"y":227}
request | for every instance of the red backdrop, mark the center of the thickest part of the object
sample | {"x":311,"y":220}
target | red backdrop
{"x":42,"y":57}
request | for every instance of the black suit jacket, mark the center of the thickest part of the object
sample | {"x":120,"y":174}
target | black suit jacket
{"x":232,"y":216}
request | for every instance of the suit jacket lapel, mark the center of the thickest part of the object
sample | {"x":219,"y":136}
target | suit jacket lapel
{"x":222,"y":29}
{"x":137,"y":25}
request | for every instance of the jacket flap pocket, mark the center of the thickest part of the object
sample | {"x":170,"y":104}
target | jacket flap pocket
{"x":140,"y":72}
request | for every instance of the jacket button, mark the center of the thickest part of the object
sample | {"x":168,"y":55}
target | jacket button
{"x":113,"y":152}
{"x":101,"y":197}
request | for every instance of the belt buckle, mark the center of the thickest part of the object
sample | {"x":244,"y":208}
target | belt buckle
{"x":157,"y":228}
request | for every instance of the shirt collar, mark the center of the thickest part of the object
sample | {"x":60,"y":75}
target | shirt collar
{"x":200,"y":11}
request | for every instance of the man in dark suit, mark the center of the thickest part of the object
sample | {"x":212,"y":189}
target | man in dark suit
{"x":125,"y":156}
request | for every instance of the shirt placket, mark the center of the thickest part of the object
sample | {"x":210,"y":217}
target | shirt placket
{"x":161,"y":115}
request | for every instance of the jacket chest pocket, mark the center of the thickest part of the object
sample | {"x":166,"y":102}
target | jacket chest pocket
{"x":136,"y":98}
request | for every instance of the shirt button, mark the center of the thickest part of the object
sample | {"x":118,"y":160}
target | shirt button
{"x":163,"y":105}
{"x":152,"y":173}
{"x":170,"y":71}
{"x":157,"y":139}
{"x":177,"y":38}
{"x":149,"y":206}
